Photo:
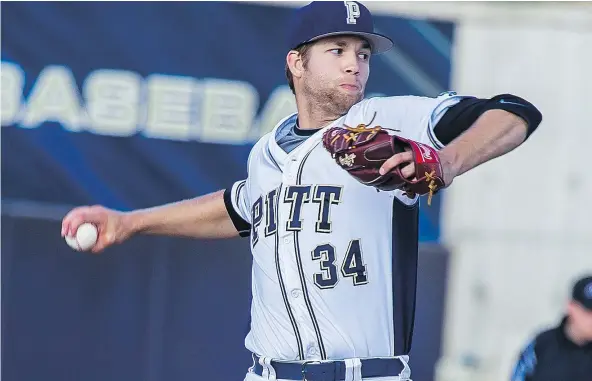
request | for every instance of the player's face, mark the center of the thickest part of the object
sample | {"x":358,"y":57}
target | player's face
{"x":337,"y":72}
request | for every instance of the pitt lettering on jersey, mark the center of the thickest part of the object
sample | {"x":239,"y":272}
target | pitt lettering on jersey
{"x":264,"y":208}
{"x":325,"y":196}
{"x":296,"y":195}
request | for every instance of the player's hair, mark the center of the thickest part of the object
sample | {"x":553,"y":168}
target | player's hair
{"x":303,"y":50}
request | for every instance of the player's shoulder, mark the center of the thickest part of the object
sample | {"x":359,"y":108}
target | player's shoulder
{"x":405,"y":107}
{"x":400,"y":109}
{"x":262,"y":145}
{"x":388,"y":101}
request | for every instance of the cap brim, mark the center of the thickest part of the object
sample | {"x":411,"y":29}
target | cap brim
{"x":378,"y":42}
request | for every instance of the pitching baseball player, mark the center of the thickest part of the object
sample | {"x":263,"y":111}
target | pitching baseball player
{"x":331,"y":202}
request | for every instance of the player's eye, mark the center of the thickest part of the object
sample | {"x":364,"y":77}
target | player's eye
{"x":337,"y":51}
{"x":364,"y":56}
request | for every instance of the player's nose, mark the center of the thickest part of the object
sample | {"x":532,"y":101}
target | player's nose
{"x":351,"y":64}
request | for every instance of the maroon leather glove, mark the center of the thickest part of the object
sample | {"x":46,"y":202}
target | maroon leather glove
{"x":361,"y":151}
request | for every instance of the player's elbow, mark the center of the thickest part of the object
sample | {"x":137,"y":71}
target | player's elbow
{"x":520,"y":107}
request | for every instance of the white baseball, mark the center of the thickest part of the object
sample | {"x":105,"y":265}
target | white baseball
{"x":85,"y":238}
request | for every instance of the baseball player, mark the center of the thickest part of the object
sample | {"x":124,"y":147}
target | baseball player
{"x":334,"y":257}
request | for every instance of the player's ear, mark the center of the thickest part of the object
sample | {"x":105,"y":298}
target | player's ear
{"x":295,"y":63}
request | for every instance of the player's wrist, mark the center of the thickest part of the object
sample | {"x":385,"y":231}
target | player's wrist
{"x":133,"y":222}
{"x":451,"y":162}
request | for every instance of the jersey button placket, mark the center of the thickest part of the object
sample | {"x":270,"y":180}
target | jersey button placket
{"x":289,"y":263}
{"x":290,"y":171}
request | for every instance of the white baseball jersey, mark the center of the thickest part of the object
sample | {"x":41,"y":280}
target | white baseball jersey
{"x":334,"y":261}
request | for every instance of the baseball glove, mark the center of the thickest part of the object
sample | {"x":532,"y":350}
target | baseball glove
{"x":361,"y":151}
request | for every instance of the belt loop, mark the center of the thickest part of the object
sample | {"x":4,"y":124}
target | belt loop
{"x":353,"y":369}
{"x":268,"y":370}
{"x":405,"y":374}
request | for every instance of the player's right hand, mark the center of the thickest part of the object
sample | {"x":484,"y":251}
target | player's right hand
{"x":113,"y":226}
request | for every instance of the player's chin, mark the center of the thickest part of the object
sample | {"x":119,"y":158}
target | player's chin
{"x":348,"y":100}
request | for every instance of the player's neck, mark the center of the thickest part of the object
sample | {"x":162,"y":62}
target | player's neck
{"x":312,"y":117}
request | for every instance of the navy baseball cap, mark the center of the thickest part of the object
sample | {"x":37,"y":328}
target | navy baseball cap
{"x":582,"y":292}
{"x":321,"y":19}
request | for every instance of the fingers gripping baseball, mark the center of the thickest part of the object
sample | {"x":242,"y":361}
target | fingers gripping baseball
{"x":108,"y":222}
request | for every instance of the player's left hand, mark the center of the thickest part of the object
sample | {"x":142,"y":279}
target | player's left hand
{"x":376,"y":157}
{"x":409,"y":170}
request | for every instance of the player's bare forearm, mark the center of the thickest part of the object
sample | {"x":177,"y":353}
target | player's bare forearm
{"x":494,"y":134}
{"x":200,"y":217}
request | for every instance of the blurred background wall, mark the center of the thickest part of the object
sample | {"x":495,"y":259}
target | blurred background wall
{"x":128,"y":105}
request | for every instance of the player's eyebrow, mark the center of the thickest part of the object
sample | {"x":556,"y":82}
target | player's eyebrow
{"x":343,"y":44}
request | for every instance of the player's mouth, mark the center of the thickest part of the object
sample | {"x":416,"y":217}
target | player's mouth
{"x":350,"y":87}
